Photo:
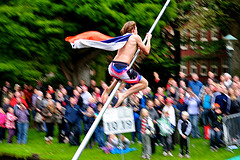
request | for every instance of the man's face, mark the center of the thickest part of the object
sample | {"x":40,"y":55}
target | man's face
{"x":72,"y":101}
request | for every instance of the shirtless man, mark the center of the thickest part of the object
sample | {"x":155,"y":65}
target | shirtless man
{"x":119,"y":67}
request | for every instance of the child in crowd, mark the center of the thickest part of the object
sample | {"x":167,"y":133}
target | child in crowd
{"x":217,"y":128}
{"x":2,"y":124}
{"x":147,"y":128}
{"x":10,"y":123}
{"x":166,"y":130}
{"x":184,"y":128}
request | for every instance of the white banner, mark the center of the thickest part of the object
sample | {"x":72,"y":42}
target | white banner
{"x":118,"y":120}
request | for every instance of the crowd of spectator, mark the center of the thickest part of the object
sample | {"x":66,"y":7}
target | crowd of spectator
{"x":161,"y":113}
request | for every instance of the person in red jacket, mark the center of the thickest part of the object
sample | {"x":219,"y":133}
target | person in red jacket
{"x":13,"y":101}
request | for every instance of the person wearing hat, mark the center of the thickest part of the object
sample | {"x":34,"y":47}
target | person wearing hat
{"x":171,"y":111}
{"x":172,"y":118}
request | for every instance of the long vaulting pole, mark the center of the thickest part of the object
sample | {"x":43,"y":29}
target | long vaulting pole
{"x":114,"y":91}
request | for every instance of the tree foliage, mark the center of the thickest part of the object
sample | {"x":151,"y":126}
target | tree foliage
{"x":32,"y":33}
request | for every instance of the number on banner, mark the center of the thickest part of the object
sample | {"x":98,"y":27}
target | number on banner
{"x":118,"y":120}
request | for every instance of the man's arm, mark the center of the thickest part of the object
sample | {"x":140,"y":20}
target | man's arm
{"x":145,"y":48}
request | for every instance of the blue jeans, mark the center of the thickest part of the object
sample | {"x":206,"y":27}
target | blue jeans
{"x":216,"y":138}
{"x":194,"y":119}
{"x":79,"y":124}
{"x":100,"y":137}
{"x":22,"y":132}
{"x":205,"y":117}
{"x":138,"y":131}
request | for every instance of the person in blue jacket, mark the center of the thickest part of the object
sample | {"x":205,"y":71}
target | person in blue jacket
{"x":195,"y":84}
{"x":72,"y":115}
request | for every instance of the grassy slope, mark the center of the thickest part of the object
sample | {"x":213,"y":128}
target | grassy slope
{"x":199,"y":149}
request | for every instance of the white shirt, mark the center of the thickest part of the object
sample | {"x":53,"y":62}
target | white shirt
{"x":171,"y":113}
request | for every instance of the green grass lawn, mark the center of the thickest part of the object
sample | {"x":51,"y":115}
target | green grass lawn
{"x":199,"y":149}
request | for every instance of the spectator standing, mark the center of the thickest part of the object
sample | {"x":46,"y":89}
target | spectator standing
{"x":223,"y":100}
{"x":206,"y":106}
{"x":171,"y":112}
{"x":235,"y":104}
{"x":92,"y":86}
{"x":61,"y":99}
{"x":145,"y":97}
{"x":40,"y":87}
{"x":147,"y":128}
{"x":6,"y":104}
{"x":13,"y":101}
{"x":60,"y":122}
{"x":216,"y":129}
{"x":33,"y":103}
{"x":99,"y":132}
{"x":227,"y":80}
{"x":49,"y":113}
{"x":4,"y":94}
{"x":154,"y":116}
{"x":88,"y":119}
{"x":172,"y":119}
{"x":182,"y":77}
{"x":83,"y":84}
{"x":72,"y":115}
{"x":184,"y":129}
{"x":195,"y":84}
{"x":8,"y":86}
{"x":69,"y":88}
{"x":39,"y":106}
{"x":157,"y":82}
{"x":212,"y":77}
{"x":22,"y":122}
{"x":181,"y":105}
{"x":166,"y":130}
{"x":159,"y":93}
{"x":51,"y":91}
{"x":2,"y":124}
{"x":85,"y":96}
{"x":135,"y":104}
{"x":10,"y":124}
{"x":193,"y":103}
{"x":28,"y":94}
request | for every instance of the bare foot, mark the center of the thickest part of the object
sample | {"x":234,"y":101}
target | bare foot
{"x":120,"y":99}
{"x":105,"y":94}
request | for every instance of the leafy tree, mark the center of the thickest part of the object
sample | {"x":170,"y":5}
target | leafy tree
{"x":33,"y":32}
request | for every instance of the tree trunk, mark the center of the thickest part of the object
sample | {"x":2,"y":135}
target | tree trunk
{"x":177,"y":52}
{"x":77,"y":68}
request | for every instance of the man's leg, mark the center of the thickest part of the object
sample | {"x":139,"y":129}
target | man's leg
{"x":143,"y":83}
{"x":108,"y":90}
